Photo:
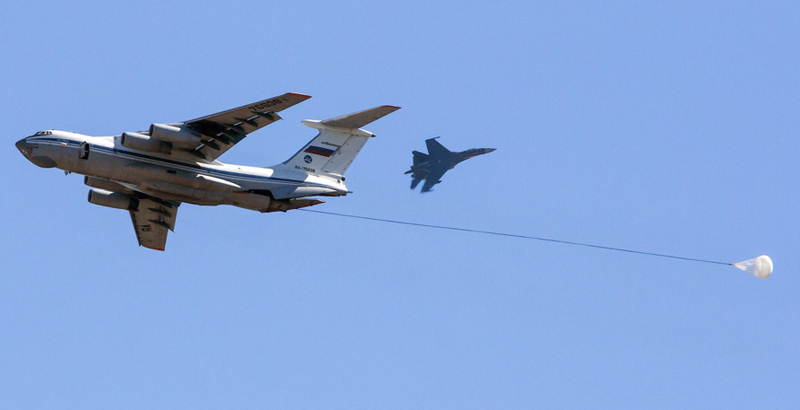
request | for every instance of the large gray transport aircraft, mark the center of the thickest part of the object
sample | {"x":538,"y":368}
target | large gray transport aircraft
{"x":149,"y":173}
{"x":432,"y":166}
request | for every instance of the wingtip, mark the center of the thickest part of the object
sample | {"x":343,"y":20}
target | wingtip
{"x":303,"y":96}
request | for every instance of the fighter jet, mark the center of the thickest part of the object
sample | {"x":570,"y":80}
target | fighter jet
{"x":432,"y":166}
{"x":150,"y":173}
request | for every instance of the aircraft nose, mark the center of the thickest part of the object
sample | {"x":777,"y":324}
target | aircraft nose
{"x":22,"y":144}
{"x":488,"y":150}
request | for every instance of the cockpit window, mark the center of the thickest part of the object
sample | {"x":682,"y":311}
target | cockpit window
{"x":40,"y":133}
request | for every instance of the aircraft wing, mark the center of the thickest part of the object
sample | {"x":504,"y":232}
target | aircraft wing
{"x":221,"y":131}
{"x":434,"y":177}
{"x":152,"y":221}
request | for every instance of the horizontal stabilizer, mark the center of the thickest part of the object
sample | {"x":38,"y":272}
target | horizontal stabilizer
{"x":359,"y":119}
{"x":288,"y":204}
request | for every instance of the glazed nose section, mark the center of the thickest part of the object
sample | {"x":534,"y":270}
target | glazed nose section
{"x":22,"y":144}
{"x":39,"y":159}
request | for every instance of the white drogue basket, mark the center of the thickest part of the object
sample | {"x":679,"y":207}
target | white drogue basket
{"x":760,"y":267}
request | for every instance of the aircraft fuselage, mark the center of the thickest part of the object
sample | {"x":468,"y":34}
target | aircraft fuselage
{"x":164,"y":176}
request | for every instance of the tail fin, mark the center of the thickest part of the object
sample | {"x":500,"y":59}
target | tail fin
{"x":435,"y":148}
{"x":419,"y":157}
{"x":339,"y":140}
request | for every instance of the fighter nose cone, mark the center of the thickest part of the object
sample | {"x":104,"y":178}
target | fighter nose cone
{"x":488,"y":150}
{"x":22,"y":144}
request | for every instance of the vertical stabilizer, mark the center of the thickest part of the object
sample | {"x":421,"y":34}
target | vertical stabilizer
{"x":339,"y":140}
{"x":435,"y":149}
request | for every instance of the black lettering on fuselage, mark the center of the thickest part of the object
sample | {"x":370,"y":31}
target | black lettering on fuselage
{"x":307,"y":169}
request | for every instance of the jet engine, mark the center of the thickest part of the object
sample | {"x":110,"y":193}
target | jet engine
{"x":141,"y":142}
{"x":174,"y":135}
{"x":104,"y":184}
{"x":113,"y":199}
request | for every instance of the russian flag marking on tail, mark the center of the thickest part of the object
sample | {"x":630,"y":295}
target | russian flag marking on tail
{"x":325,"y":152}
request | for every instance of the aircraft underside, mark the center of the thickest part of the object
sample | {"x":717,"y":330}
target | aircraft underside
{"x":150,"y":173}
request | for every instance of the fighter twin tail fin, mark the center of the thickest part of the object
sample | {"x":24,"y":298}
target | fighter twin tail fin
{"x":339,"y":140}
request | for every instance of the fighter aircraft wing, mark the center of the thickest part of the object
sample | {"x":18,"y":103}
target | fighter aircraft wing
{"x":152,"y":221}
{"x":434,"y":177}
{"x":221,"y":131}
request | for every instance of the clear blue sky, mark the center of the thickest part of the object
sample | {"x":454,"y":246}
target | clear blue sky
{"x":669,"y":128}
